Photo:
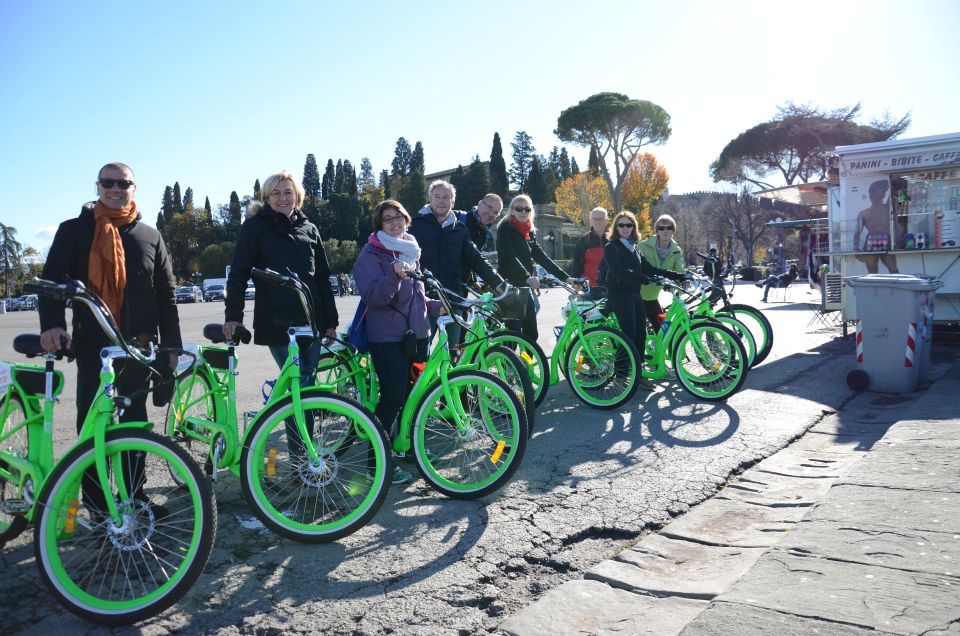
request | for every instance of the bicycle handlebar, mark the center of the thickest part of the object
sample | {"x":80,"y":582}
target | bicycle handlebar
{"x":75,"y":290}
{"x":291,"y":282}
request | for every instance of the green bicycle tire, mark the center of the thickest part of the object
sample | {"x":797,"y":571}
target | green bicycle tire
{"x":758,"y":324}
{"x":316,"y":503}
{"x":506,"y":365}
{"x":610,"y":381}
{"x":718,"y":376}
{"x":116,"y":576}
{"x":531,"y":354}
{"x":12,"y":525}
{"x":469,"y":463}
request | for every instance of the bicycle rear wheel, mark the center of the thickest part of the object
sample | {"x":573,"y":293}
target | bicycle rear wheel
{"x":531,"y":355}
{"x":12,"y":522}
{"x":320,"y":501}
{"x":603,"y":368}
{"x":479,"y":456}
{"x":757,"y":323}
{"x":506,"y":365}
{"x":710,"y":362}
{"x":119,"y":575}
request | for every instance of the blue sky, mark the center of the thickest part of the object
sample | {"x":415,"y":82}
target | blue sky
{"x":217,"y":94}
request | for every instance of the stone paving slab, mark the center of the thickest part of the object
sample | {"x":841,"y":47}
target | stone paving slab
{"x":871,"y":507}
{"x":727,"y":522}
{"x":589,"y":607}
{"x":775,"y":490}
{"x":662,"y":566}
{"x":926,"y":465}
{"x":874,"y":597}
{"x":918,"y":550}
{"x":724,"y":619}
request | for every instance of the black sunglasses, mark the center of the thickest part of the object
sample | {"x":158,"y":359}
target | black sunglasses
{"x":624,"y":224}
{"x":664,"y":227}
{"x":109,"y":183}
{"x":522,"y":209}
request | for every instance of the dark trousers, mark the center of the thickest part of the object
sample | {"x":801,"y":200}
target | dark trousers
{"x":131,"y":377}
{"x":629,"y":309}
{"x":393,"y":372}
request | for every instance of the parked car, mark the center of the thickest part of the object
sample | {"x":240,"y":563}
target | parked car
{"x":214,"y":292}
{"x":28,"y":302}
{"x":335,"y":284}
{"x":251,"y":293}
{"x":189,"y":294}
{"x":13,"y":304}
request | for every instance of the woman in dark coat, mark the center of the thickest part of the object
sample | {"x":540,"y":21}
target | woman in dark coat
{"x":627,"y":271}
{"x":517,"y":250}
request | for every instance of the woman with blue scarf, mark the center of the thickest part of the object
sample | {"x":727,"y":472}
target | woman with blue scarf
{"x":627,"y":271}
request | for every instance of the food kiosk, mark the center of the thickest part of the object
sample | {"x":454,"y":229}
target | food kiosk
{"x":894,"y":207}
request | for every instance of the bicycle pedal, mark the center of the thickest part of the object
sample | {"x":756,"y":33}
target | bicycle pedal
{"x":15,"y":506}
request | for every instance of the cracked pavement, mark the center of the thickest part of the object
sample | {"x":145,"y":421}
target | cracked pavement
{"x":591,"y":484}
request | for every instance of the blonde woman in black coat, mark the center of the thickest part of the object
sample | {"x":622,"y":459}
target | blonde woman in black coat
{"x":627,"y":270}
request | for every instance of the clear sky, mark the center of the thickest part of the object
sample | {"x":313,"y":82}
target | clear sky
{"x":217,"y":94}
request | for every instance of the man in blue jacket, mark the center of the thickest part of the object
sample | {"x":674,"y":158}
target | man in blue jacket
{"x":447,"y":249}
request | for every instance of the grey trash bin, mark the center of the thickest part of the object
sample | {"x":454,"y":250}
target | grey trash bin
{"x":894,"y":330}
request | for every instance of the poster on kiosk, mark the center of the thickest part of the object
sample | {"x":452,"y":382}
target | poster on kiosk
{"x":896,"y":210}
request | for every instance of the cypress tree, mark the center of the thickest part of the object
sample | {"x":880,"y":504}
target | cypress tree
{"x":188,"y":200}
{"x":499,"y":182}
{"x":311,"y":179}
{"x":593,"y":163}
{"x":385,"y":184}
{"x":236,"y":211}
{"x":256,"y":190}
{"x":536,"y":186}
{"x":167,"y":208}
{"x":365,"y":180}
{"x":349,"y":179}
{"x":177,"y":198}
{"x":338,"y":177}
{"x":413,"y":192}
{"x":326,"y":186}
{"x":574,"y":168}
{"x":565,"y":172}
{"x":207,"y":210}
{"x":474,"y":184}
{"x":523,"y":153}
{"x":416,"y":160}
{"x":402,"y":155}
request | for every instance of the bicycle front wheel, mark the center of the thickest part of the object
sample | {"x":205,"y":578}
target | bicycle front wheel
{"x":532,"y":357}
{"x":322,"y":500}
{"x":507,"y":366}
{"x":757,"y":323}
{"x":603,"y":368}
{"x":116,"y":575}
{"x":471,"y":451}
{"x":12,"y":523}
{"x":193,"y":398}
{"x":710,"y":362}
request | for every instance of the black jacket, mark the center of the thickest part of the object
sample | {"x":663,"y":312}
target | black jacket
{"x":269,"y":239}
{"x":449,"y":253}
{"x":627,"y":270}
{"x":516,"y":255}
{"x":149,"y":300}
{"x":480,"y":234}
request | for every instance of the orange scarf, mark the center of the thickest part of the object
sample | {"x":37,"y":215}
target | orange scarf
{"x":107,"y":270}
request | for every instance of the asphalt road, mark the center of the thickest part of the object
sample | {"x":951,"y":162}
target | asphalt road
{"x":591,"y":483}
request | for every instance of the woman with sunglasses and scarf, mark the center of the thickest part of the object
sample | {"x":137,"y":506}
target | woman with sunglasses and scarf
{"x":627,"y":273}
{"x":517,"y":250}
{"x":663,"y":252}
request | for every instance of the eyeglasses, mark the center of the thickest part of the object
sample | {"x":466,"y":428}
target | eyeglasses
{"x":625,"y":225}
{"x":661,"y":228}
{"x":123,"y":184}
{"x":522,"y":209}
{"x":391,"y":219}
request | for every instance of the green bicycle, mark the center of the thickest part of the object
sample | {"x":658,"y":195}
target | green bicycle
{"x":467,"y":428}
{"x":601,"y":364}
{"x":295,"y":474}
{"x":145,"y":527}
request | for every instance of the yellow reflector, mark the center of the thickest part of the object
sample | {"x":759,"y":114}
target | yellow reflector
{"x":272,"y":463}
{"x":579,"y":363}
{"x":70,"y":523}
{"x":498,"y":452}
{"x":526,"y":357}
